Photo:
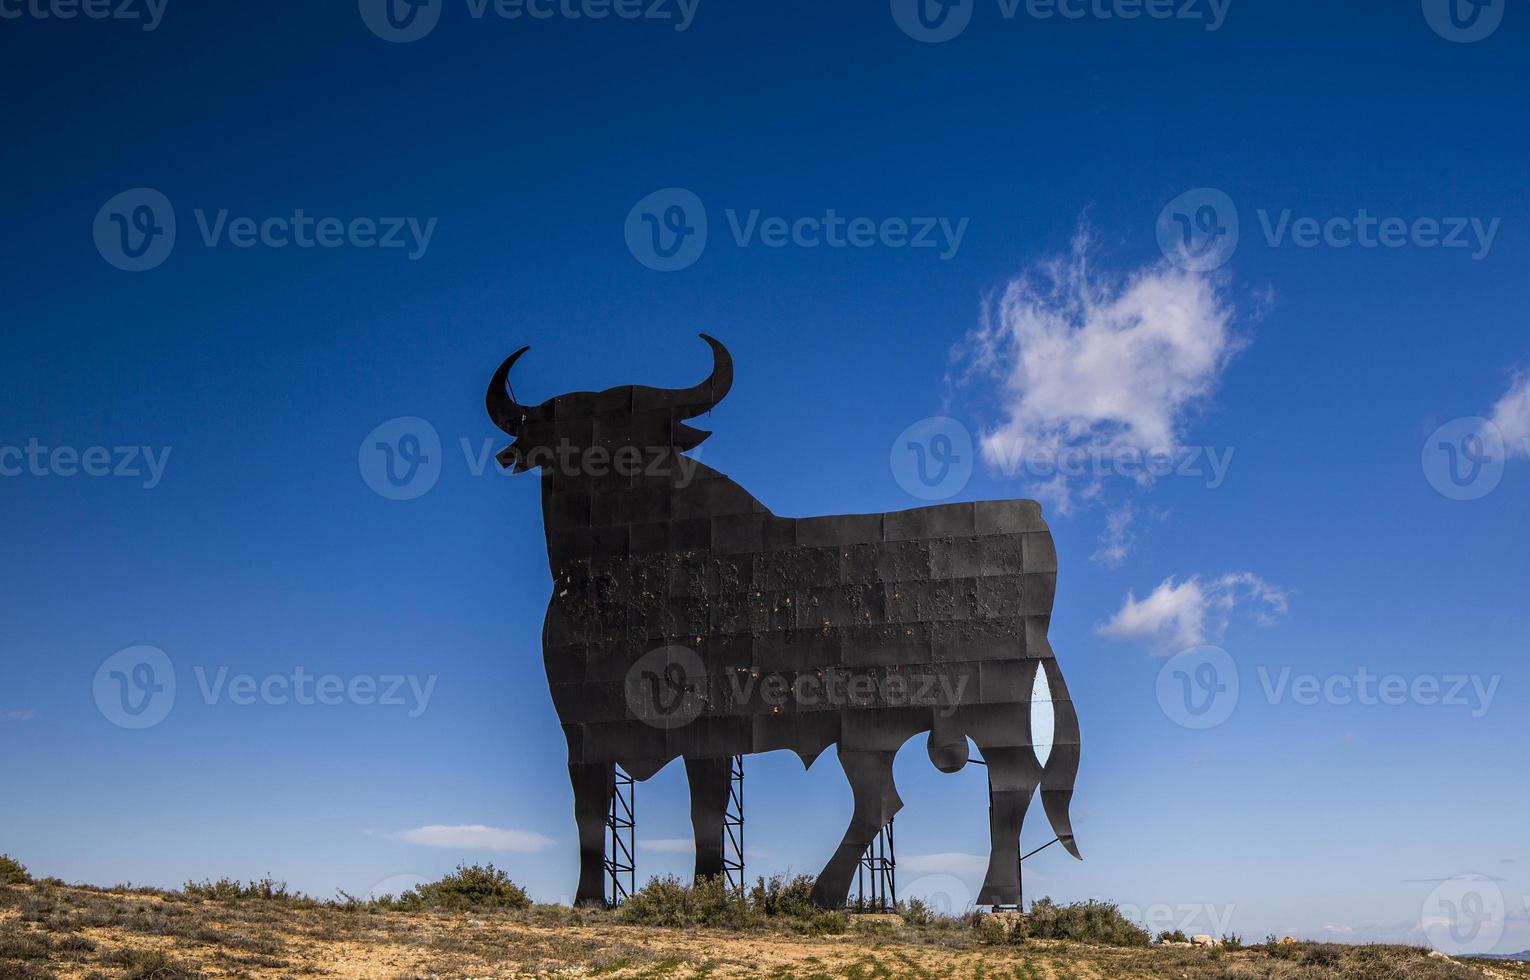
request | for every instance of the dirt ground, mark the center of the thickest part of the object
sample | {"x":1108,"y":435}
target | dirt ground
{"x":49,"y":931}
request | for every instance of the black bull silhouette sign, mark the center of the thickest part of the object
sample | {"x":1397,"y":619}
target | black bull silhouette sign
{"x":688,"y":621}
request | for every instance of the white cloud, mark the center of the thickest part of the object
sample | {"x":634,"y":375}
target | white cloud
{"x":1117,"y":537}
{"x":957,"y":863}
{"x":673,"y":845}
{"x":1512,"y":416}
{"x":1196,"y":610}
{"x":1090,"y":360}
{"x":475,"y":837}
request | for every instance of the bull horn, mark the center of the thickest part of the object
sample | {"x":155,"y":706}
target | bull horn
{"x":701,"y":398}
{"x":506,"y":412}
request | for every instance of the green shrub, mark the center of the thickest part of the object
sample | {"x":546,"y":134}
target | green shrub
{"x":916,"y":913}
{"x":823,"y":923}
{"x":1173,"y":936}
{"x":231,"y":890}
{"x":1083,"y":922}
{"x":151,"y":965}
{"x":668,"y":901}
{"x":783,"y":896}
{"x":1231,"y":940}
{"x":469,"y":887}
{"x":13,"y":872}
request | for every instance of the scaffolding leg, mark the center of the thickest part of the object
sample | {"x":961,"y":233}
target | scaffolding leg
{"x":733,"y":826}
{"x":876,"y":876}
{"x":621,"y":839}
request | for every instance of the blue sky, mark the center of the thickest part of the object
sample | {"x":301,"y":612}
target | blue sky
{"x":1053,"y":160}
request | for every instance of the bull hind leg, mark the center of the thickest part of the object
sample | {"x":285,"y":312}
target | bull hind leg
{"x":876,"y":801}
{"x":593,"y":786}
{"x":1013,"y":774}
{"x":709,"y":782}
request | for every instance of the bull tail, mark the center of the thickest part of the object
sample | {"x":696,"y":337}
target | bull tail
{"x":1062,"y":765}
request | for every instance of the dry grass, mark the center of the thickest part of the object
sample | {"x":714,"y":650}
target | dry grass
{"x":52,"y":931}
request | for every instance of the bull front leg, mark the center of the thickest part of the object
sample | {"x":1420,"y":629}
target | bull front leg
{"x":876,"y":801}
{"x":593,"y":786}
{"x":708,"y":780}
{"x":1013,"y":773}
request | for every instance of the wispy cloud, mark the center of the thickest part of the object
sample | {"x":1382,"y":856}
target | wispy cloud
{"x":1512,"y":415}
{"x":672,"y":845}
{"x":957,"y":863}
{"x":1196,"y":610}
{"x":475,"y":837}
{"x":17,"y":714}
{"x":1116,"y":538}
{"x":1091,"y":359}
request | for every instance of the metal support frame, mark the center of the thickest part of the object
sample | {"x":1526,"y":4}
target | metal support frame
{"x":879,"y":869}
{"x":1021,"y":906}
{"x":621,"y":838}
{"x":733,"y":826}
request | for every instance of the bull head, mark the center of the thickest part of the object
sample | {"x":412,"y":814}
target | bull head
{"x":629,"y":416}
